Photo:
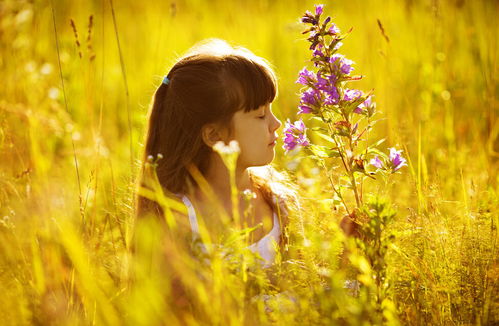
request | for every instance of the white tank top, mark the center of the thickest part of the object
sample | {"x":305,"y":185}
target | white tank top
{"x":266,"y":246}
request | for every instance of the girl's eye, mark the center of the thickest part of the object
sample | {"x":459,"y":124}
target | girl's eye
{"x":261,"y":117}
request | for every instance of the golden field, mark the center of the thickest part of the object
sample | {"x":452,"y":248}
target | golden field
{"x":77,"y":78}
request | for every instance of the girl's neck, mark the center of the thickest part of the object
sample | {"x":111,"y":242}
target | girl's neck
{"x":218,"y":178}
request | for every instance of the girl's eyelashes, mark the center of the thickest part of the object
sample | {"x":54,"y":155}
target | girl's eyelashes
{"x":263,"y":114}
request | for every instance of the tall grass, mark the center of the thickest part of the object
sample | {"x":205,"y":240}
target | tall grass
{"x":66,"y":195}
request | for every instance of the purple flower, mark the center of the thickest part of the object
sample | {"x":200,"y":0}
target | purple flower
{"x":346,"y":66}
{"x":309,"y":99}
{"x":396,"y":159}
{"x":322,"y":83}
{"x":319,"y":9}
{"x":317,"y":53}
{"x":304,"y":109}
{"x":310,"y":96}
{"x":335,"y":57}
{"x":332,"y":79}
{"x":376,"y":162}
{"x":308,"y":18}
{"x":326,"y":84}
{"x":367,"y":104}
{"x":334,"y":29}
{"x":295,"y":135}
{"x":332,"y":96}
{"x":338,"y":45}
{"x":352,"y":94}
{"x":305,"y":76}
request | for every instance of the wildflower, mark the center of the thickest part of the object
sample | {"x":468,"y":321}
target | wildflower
{"x":317,"y":52}
{"x":228,"y":153}
{"x":305,"y":76}
{"x":352,"y":94}
{"x":310,"y":96}
{"x":344,"y":64}
{"x":328,"y":87}
{"x":322,"y":83}
{"x":332,"y":96}
{"x":294,"y":135}
{"x":368,"y":102}
{"x":222,"y":149}
{"x":309,"y":99}
{"x":248,"y":195}
{"x":319,"y":9}
{"x":376,"y":162}
{"x":335,"y":57}
{"x":308,"y":18}
{"x":368,"y":106}
{"x":358,"y":110}
{"x":396,"y":159}
{"x":333,"y":30}
{"x":304,"y":109}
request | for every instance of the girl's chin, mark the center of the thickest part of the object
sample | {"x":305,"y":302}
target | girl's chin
{"x":262,"y":163}
{"x":263,"y":160}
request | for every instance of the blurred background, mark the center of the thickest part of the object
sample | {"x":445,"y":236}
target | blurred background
{"x":77,"y":78}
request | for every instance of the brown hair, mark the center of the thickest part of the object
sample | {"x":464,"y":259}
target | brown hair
{"x":209,"y":85}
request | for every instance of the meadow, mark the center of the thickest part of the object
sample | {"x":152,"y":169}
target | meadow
{"x":77,"y":79}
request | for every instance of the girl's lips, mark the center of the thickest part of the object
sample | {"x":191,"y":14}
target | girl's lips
{"x":273,"y":142}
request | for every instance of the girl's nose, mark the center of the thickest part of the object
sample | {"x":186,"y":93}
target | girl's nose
{"x":276,"y":123}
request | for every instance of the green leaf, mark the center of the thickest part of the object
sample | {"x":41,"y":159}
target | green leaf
{"x":345,"y":182}
{"x":374,"y":150}
{"x":325,"y":137}
{"x":317,"y":119}
{"x":323,"y":151}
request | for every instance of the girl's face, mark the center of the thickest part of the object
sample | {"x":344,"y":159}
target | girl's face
{"x":256,"y":134}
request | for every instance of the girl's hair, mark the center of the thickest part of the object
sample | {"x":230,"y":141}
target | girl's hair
{"x":208,"y":85}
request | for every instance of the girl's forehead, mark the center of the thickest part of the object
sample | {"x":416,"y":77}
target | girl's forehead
{"x":258,"y":109}
{"x":265,"y":106}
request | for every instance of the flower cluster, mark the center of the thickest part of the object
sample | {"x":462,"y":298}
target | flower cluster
{"x":346,"y":112}
{"x":294,"y":135}
{"x":344,"y":117}
{"x":393,"y":164}
{"x":324,"y":88}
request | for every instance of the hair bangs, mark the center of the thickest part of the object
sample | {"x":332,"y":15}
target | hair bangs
{"x":252,"y":83}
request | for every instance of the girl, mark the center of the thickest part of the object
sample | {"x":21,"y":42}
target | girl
{"x":214,"y":95}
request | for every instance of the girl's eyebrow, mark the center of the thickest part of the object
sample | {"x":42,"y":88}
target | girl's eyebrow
{"x":260,"y":110}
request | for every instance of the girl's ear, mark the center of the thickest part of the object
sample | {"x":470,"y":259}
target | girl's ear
{"x":211,"y":133}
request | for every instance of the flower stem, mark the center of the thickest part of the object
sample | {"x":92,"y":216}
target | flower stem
{"x":338,"y":193}
{"x":234,"y":197}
